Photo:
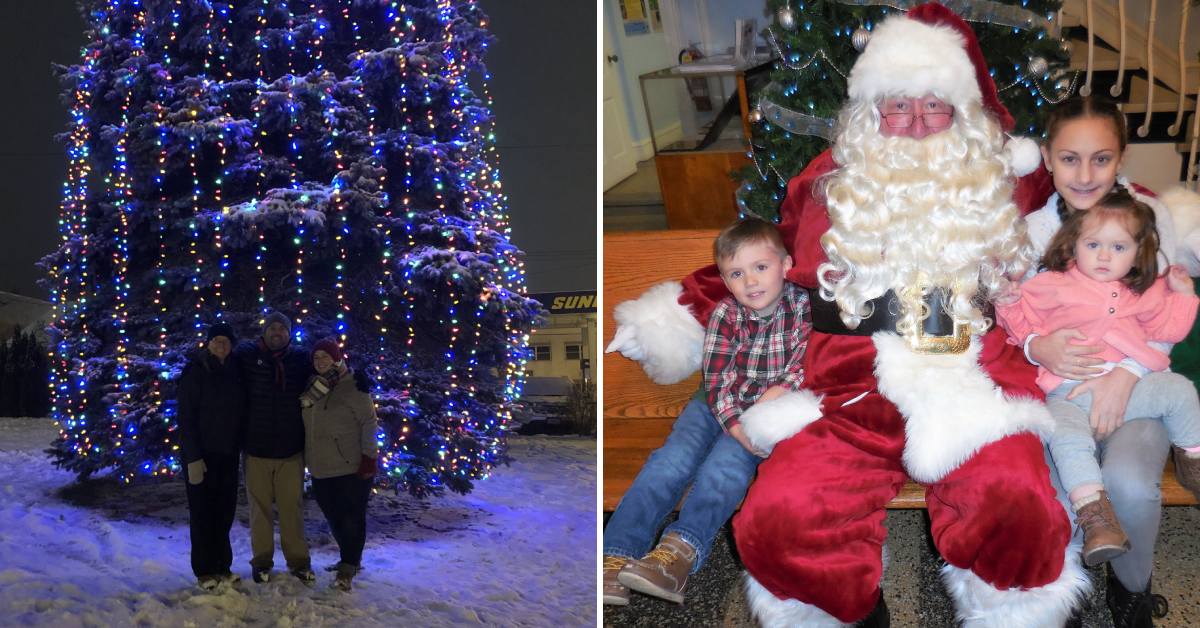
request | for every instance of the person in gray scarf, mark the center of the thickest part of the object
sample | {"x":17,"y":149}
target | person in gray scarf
{"x":340,"y":449}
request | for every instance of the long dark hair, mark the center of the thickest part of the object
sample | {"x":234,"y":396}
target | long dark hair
{"x":1118,"y":204}
{"x":1080,"y":107}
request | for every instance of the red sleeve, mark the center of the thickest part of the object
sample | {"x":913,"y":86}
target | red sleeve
{"x":703,"y":290}
{"x":804,"y":219}
{"x":1005,"y":363}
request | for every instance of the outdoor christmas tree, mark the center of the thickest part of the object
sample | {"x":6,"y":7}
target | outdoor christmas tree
{"x":817,"y":42}
{"x":327,"y":158}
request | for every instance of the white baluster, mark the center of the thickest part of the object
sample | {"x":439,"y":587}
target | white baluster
{"x":1086,"y":90}
{"x":1176,"y":127}
{"x":1144,"y":130}
{"x":1115,"y":90}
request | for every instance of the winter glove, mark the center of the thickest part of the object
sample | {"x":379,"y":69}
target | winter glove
{"x":367,"y":467}
{"x":195,"y":472}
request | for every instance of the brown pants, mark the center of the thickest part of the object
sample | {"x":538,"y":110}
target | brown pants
{"x":281,"y":481}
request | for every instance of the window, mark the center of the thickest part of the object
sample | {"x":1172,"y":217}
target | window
{"x":572,"y":352}
{"x":541,"y":352}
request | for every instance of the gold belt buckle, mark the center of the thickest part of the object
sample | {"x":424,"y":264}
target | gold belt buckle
{"x":956,"y":343}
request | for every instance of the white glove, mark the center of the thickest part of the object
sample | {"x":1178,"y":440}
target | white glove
{"x":658,"y":332}
{"x":196,"y":471}
{"x":626,"y":343}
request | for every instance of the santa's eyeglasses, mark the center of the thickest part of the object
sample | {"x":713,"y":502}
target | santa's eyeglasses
{"x":900,"y":115}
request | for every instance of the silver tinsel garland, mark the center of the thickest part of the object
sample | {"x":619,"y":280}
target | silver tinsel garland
{"x":972,"y":11}
{"x":794,"y":121}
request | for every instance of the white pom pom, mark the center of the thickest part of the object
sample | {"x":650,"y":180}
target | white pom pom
{"x":1023,"y":155}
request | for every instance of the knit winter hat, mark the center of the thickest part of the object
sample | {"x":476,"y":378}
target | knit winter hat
{"x":277,"y":317}
{"x":330,"y":347}
{"x":221,"y":329}
{"x":931,"y":50}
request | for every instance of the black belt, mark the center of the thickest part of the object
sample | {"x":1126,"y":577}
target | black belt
{"x":885,"y":313}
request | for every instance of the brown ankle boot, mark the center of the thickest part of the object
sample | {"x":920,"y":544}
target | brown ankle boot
{"x":615,"y":593}
{"x":663,"y":572}
{"x":1187,"y":471}
{"x":1103,"y":538}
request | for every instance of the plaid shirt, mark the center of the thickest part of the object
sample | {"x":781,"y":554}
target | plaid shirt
{"x":744,"y":355}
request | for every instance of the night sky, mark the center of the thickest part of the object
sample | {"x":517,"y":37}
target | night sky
{"x":543,"y":83}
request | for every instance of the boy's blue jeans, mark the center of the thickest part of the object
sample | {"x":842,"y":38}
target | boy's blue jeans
{"x":698,"y":452}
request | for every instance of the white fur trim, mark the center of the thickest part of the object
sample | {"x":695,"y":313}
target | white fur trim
{"x":774,"y":421}
{"x":980,"y":605}
{"x":951,"y":407}
{"x":910,"y":58}
{"x":1184,"y":207}
{"x":657,"y":331}
{"x":1023,"y":155}
{"x":771,"y":611}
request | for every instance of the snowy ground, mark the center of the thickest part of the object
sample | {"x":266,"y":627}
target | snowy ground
{"x":519,"y":551}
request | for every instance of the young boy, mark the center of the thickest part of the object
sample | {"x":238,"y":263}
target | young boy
{"x":753,"y":349}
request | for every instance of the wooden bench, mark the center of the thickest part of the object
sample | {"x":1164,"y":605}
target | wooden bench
{"x":638,"y":413}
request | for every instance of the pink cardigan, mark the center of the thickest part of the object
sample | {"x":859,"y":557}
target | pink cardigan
{"x":1106,"y":311}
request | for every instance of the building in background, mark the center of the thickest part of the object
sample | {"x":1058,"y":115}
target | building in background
{"x":566,"y":345}
{"x":30,"y":314}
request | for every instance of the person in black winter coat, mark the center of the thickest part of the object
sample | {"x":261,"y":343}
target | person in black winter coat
{"x":276,"y":372}
{"x":211,"y":404}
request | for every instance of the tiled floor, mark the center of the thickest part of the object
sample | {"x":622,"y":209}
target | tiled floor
{"x":912,"y":588}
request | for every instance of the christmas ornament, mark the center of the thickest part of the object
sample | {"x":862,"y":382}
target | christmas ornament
{"x":786,"y":18}
{"x":860,"y":38}
{"x":756,"y":116}
{"x":1038,"y":66}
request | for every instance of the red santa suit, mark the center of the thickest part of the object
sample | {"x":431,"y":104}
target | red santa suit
{"x":876,"y":413}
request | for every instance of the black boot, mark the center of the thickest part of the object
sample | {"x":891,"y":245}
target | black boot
{"x":1133,"y":609}
{"x":878,"y":618}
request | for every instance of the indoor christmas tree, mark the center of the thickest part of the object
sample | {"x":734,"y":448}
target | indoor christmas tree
{"x":327,"y":158}
{"x":817,"y":42}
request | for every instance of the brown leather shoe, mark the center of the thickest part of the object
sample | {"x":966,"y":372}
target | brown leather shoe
{"x":1187,"y":471}
{"x":663,"y":572}
{"x":1103,"y":538}
{"x":615,"y":593}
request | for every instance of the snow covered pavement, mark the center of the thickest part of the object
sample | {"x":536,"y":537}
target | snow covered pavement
{"x":519,"y":551}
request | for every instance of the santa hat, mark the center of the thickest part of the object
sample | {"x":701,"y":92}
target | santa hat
{"x":930,"y":49}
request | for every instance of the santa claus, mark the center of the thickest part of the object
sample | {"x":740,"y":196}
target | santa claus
{"x":903,"y":231}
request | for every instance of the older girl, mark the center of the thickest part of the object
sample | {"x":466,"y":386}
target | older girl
{"x":1084,"y":147}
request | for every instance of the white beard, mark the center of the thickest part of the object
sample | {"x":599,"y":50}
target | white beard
{"x":910,"y":215}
